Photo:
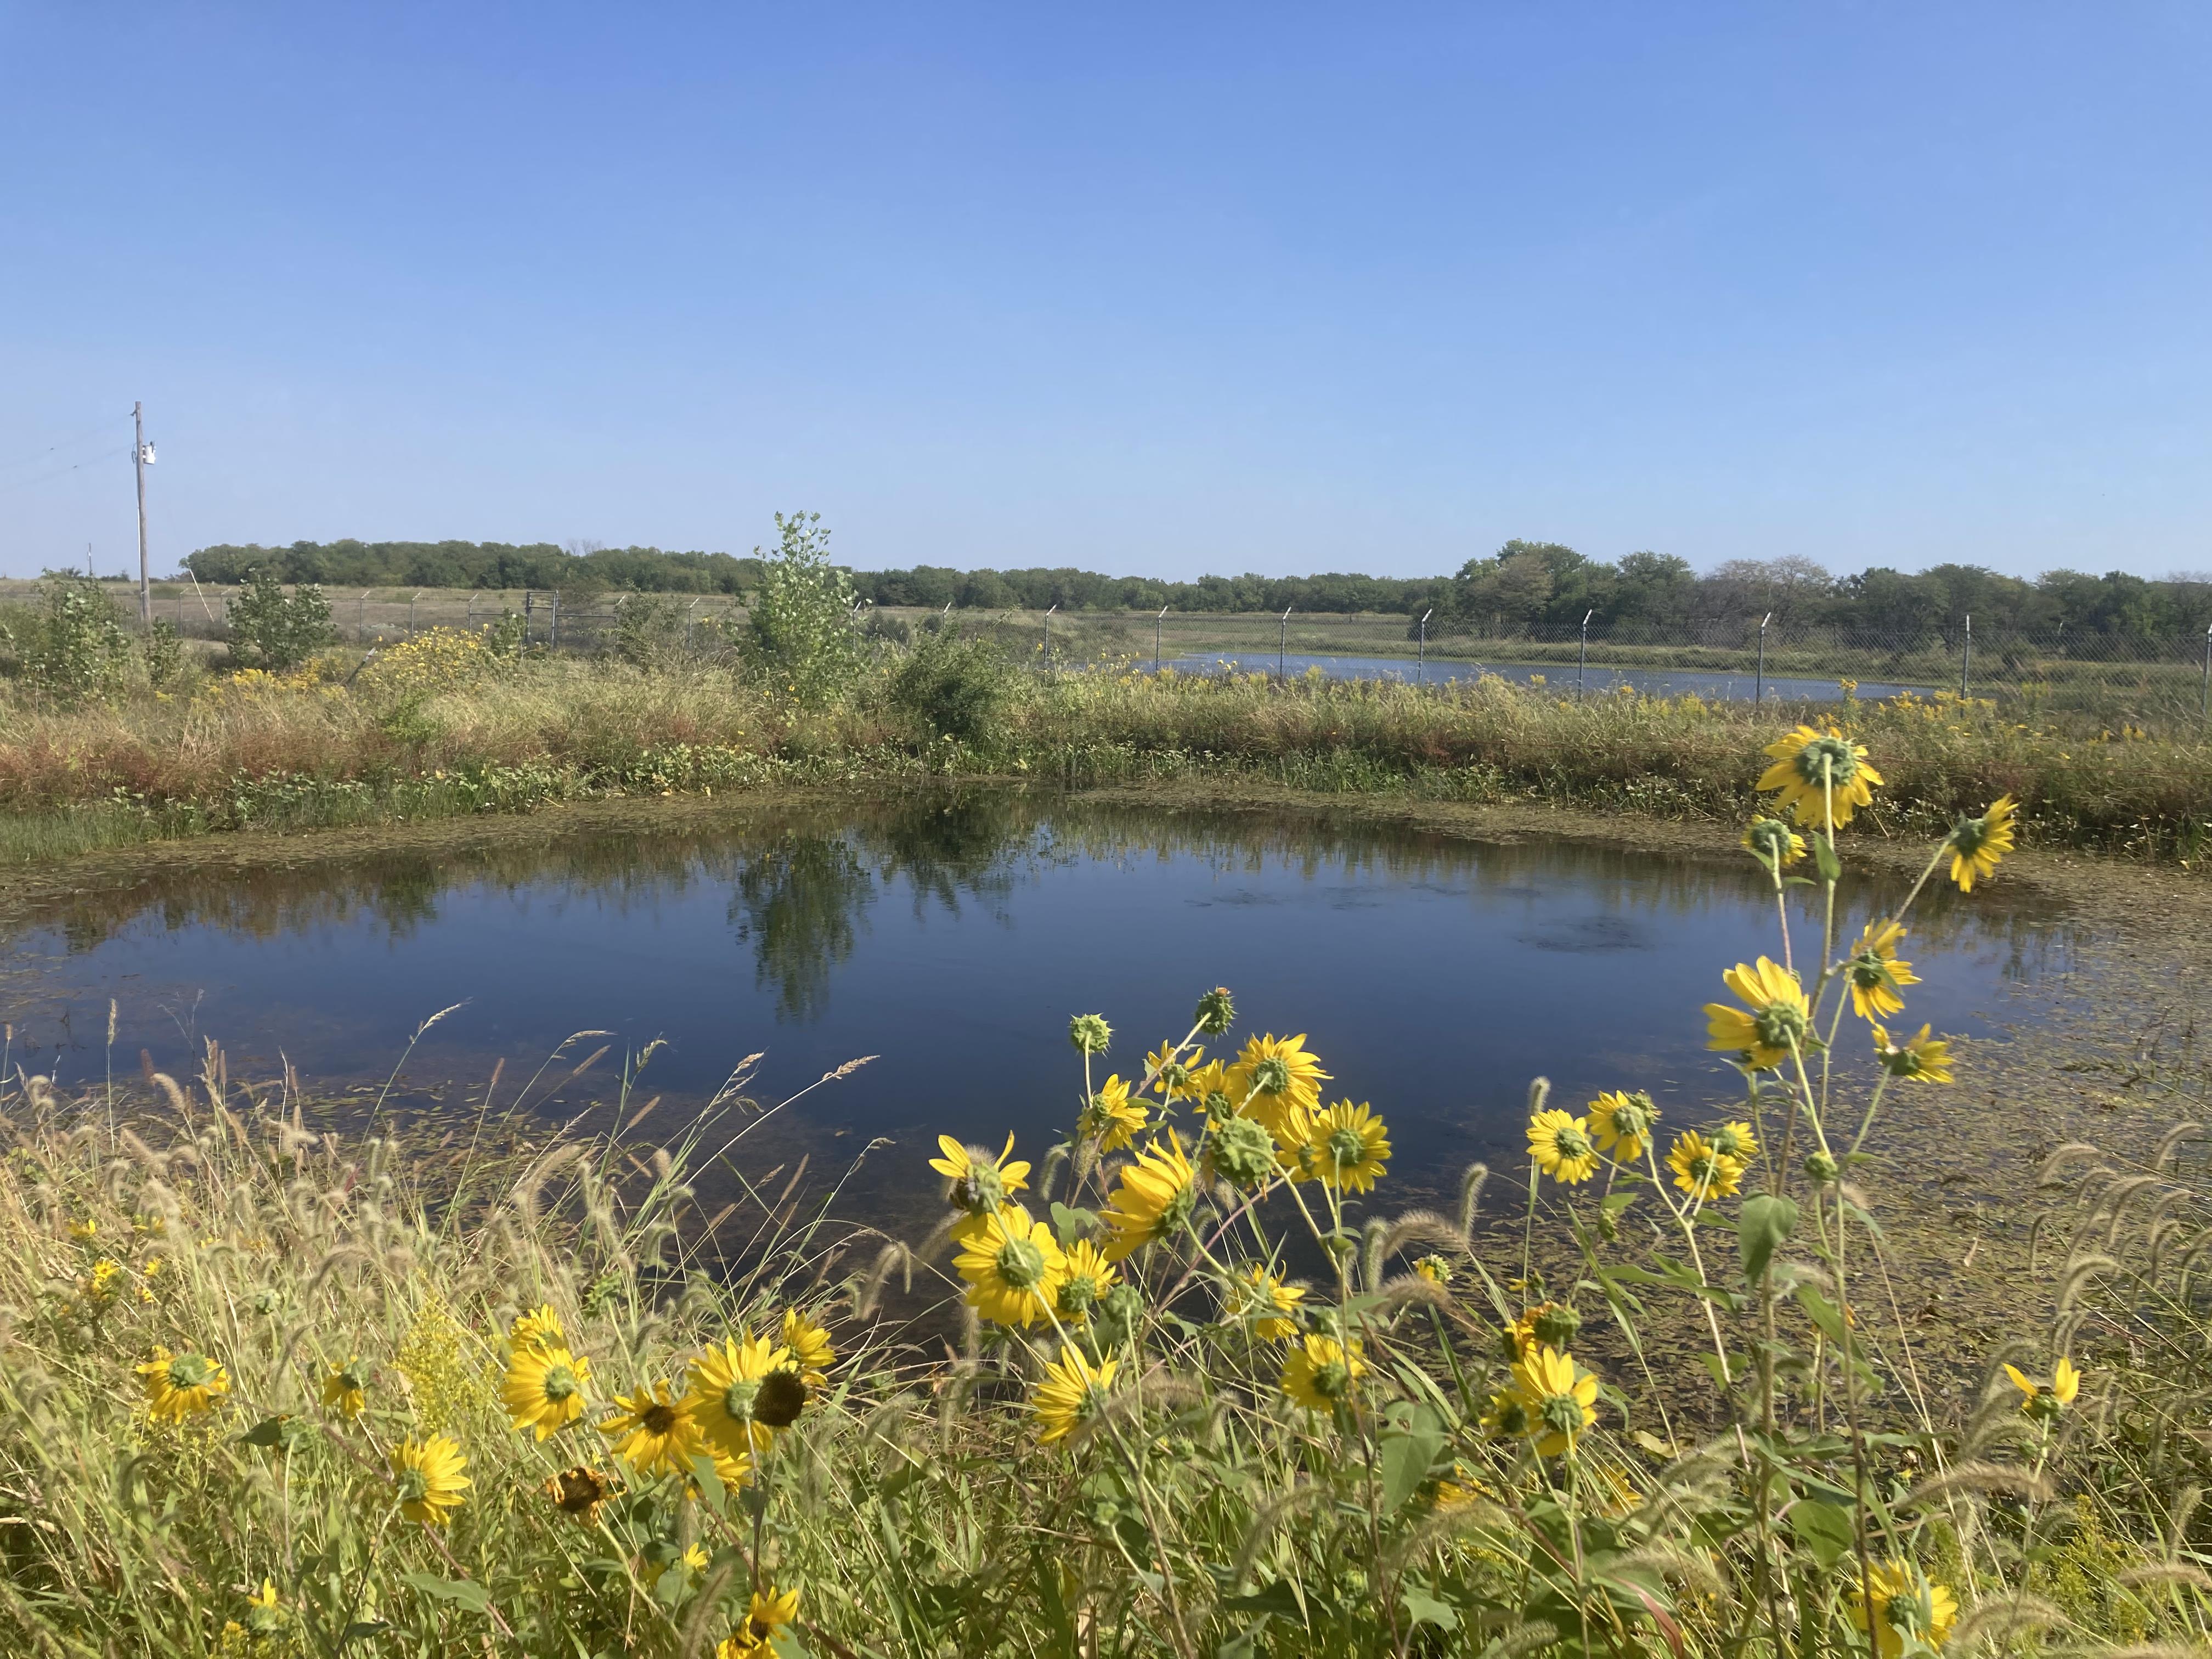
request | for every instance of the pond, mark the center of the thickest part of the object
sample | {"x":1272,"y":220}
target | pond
{"x":951,"y":938}
{"x":1565,"y":678}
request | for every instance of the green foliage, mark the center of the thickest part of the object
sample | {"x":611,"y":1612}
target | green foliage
{"x":495,"y":565}
{"x":71,"y":648}
{"x":648,"y":629}
{"x":276,"y":628}
{"x":164,"y":653}
{"x":956,"y":688}
{"x":800,"y":638}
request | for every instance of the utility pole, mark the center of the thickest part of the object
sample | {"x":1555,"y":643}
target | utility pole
{"x":140,"y":455}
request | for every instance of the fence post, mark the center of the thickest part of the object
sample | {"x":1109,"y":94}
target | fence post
{"x":1421,"y":660}
{"x":1049,"y":608}
{"x":2205,"y":696}
{"x":1965,"y":656}
{"x":1283,"y":641}
{"x":411,"y":598}
{"x":553,"y":625}
{"x":361,"y":621}
{"x":1759,"y":683}
{"x":1582,"y":669}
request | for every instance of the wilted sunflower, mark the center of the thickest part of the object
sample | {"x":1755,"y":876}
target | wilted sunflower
{"x":1559,"y":1396}
{"x":1621,"y":1123}
{"x":536,"y":1328}
{"x":2040,"y":1402}
{"x":544,"y":1388}
{"x":1071,"y":1393}
{"x":1774,"y":843}
{"x":179,"y":1386}
{"x":1153,"y":1199}
{"x":345,"y":1390}
{"x":1701,"y":1170}
{"x":1013,"y":1267}
{"x":1267,"y":1302}
{"x":1321,"y":1371}
{"x":981,"y":1183}
{"x":1896,"y":1601}
{"x":1348,"y":1147}
{"x":1875,"y":972}
{"x":1921,"y":1058}
{"x":1112,"y":1118}
{"x":811,"y":1354}
{"x":653,"y":1432}
{"x":1089,"y":1277}
{"x":1978,"y":844}
{"x":428,"y":1473}
{"x":1775,"y":1017}
{"x":1276,"y":1081}
{"x":1561,"y":1144}
{"x":1812,"y":769}
{"x":756,"y":1638}
{"x":579,"y":1491}
{"x":726,"y":1383}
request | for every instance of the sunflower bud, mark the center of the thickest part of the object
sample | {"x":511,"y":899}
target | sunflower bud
{"x":1216,"y":1012}
{"x":1089,"y":1033}
{"x":1555,"y":1325}
{"x":1242,"y":1153}
{"x":1821,"y":1168}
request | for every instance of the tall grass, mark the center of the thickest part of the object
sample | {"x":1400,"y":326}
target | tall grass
{"x":477,"y":735}
{"x":1184,"y":1382}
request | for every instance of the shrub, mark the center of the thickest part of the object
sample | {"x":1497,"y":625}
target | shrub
{"x":799,"y":633}
{"x":648,"y":628}
{"x":280,"y":629}
{"x":952,"y":687}
{"x":164,"y":652}
{"x":71,"y":648}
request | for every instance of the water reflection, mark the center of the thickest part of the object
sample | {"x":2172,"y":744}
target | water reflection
{"x":953,"y":934}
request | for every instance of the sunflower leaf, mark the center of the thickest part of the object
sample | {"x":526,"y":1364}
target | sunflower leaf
{"x":1765,"y":1221}
{"x":1824,"y":855}
{"x":461,"y":1592}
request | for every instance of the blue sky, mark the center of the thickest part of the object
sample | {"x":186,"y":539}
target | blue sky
{"x":1158,"y":290}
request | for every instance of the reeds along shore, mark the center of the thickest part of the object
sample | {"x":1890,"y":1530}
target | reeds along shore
{"x":1183,"y":1380}
{"x":442,"y":726}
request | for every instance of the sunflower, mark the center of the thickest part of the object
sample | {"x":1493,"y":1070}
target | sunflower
{"x":1170,"y":1070}
{"x":544,"y":1387}
{"x":182,"y":1385}
{"x":1896,"y":1601}
{"x":1070,"y":1393}
{"x":767,"y":1613}
{"x":1778,"y":1018}
{"x":1978,"y":844}
{"x":1774,"y":843}
{"x":1561,"y":1144}
{"x":428,"y":1473}
{"x":1546,"y":1325}
{"x":981,"y":1183}
{"x":1734,"y":1140}
{"x":1153,"y":1200}
{"x":536,"y":1328}
{"x":1434,"y":1268}
{"x":2040,"y":1402}
{"x":579,"y":1491}
{"x":1506,"y":1418}
{"x":1277,"y":1081}
{"x":1267,"y":1302}
{"x":1348,"y":1147}
{"x":653,"y":1432}
{"x":1559,"y":1396}
{"x":1321,"y":1371}
{"x":1814,"y":769}
{"x":1208,"y":1088}
{"x":660,"y":1554}
{"x":1922,"y":1058}
{"x":1701,"y":1171}
{"x":1875,"y":972}
{"x":1621,"y":1123}
{"x":345,"y":1390}
{"x":811,"y":1353}
{"x":726,"y":1385}
{"x":1013,"y":1267}
{"x":265,"y":1611}
{"x":1112,"y":1118}
{"x":1090,"y":1276}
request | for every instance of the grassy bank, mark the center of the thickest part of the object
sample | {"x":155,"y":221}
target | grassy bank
{"x":278,"y":1380}
{"x":441,"y":729}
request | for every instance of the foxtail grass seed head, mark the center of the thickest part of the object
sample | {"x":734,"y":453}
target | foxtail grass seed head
{"x":1089,"y":1033}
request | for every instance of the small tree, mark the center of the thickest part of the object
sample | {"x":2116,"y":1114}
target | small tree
{"x":71,"y":648}
{"x":282,"y":629}
{"x":799,"y":630}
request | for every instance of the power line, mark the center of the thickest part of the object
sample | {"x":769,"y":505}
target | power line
{"x":54,"y":448}
{"x":63,"y":472}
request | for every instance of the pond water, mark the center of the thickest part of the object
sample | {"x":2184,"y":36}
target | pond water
{"x":951,"y":938}
{"x":1562,"y":677}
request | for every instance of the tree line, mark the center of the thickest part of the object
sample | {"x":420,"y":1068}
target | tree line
{"x":1524,"y":587}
